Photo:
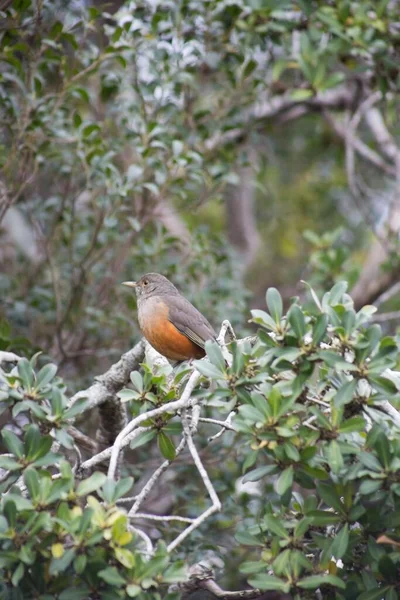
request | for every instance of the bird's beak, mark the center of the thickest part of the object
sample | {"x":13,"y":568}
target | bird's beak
{"x":129,"y":283}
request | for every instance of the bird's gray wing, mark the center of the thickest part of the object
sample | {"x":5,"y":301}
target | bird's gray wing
{"x":189,"y":321}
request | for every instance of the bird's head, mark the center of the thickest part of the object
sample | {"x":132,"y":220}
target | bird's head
{"x":151,"y":284}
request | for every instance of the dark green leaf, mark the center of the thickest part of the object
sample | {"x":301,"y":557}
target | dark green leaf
{"x":297,"y":321}
{"x":285,"y":481}
{"x":345,"y":393}
{"x":166,"y":446}
{"x":12,"y":442}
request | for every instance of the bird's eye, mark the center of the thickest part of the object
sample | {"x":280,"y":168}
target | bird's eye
{"x":145,"y":282}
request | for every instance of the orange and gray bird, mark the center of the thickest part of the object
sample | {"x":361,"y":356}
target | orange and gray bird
{"x":172,"y":325}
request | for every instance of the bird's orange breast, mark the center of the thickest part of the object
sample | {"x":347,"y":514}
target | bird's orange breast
{"x":164,"y":336}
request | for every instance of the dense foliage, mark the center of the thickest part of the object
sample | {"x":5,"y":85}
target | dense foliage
{"x":309,"y":397}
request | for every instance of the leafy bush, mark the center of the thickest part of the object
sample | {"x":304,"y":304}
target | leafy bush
{"x":311,"y":397}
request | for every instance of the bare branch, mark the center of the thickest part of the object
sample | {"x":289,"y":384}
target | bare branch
{"x":141,"y":497}
{"x":389,"y":316}
{"x":8,"y":357}
{"x":111,"y":382}
{"x":386,"y":295}
{"x":360,"y":147}
{"x":105,"y":454}
{"x":373,"y":118}
{"x":216,"y":504}
{"x":161,"y":517}
{"x":202,"y":577}
{"x":337,"y":99}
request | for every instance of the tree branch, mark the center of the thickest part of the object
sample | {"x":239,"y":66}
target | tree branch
{"x":342,"y":97}
{"x":202,"y":577}
{"x":113,"y":380}
{"x":216,"y":504}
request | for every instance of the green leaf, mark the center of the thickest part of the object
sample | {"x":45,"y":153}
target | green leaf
{"x":12,"y":442}
{"x":58,"y":565}
{"x":10,"y":464}
{"x":142,"y":438}
{"x":32,"y":482}
{"x":337,"y":292}
{"x":335,"y":457}
{"x":208,"y":370}
{"x":126,"y":395}
{"x":10,"y":511}
{"x":18,"y":574}
{"x":383,"y":450}
{"x":369,"y":486}
{"x":133,"y":590}
{"x":166,"y":446}
{"x":111,"y":576}
{"x":345,"y":393}
{"x":263,"y":318}
{"x":375,"y":594}
{"x":78,"y":407}
{"x":315,"y":581}
{"x":249,"y":68}
{"x":330,"y":496}
{"x":285,"y":481}
{"x":247,"y":539}
{"x":66,"y":440}
{"x":36,"y":447}
{"x":93,"y":483}
{"x":45,"y":375}
{"x":259,"y":473}
{"x":58,"y":402}
{"x":319,"y":329}
{"x":269,"y":582}
{"x":274,"y":303}
{"x":215,"y":355}
{"x":274,"y":525}
{"x":340,"y":542}
{"x":297,"y":321}
{"x":26,"y":373}
{"x":80,"y":592}
{"x":323,"y":517}
{"x":353,"y":424}
{"x":123,"y":486}
{"x":20,"y":502}
{"x":370,"y":461}
{"x":301,"y":94}
{"x":32,"y":441}
{"x":382,"y":384}
{"x":137,"y":381}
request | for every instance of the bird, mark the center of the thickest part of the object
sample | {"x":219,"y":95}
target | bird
{"x":168,"y":321}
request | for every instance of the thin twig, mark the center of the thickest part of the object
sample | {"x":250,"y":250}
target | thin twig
{"x":105,"y":454}
{"x":389,"y":316}
{"x":216,"y":504}
{"x":141,"y":497}
{"x":147,"y":541}
{"x":388,"y":294}
{"x":161,"y":517}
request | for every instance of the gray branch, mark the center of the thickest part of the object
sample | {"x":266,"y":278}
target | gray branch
{"x":201,"y":577}
{"x":345,"y":96}
{"x":113,"y":380}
